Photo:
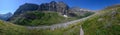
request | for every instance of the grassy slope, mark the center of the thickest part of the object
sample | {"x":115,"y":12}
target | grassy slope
{"x":7,"y":28}
{"x":105,"y":23}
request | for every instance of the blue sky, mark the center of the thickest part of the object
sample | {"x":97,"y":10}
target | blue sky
{"x":11,"y":5}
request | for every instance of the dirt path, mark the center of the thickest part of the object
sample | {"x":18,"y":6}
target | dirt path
{"x":81,"y":31}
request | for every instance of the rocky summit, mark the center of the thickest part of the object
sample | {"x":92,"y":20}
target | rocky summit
{"x":54,"y":6}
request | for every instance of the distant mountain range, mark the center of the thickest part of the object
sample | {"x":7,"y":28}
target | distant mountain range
{"x":5,"y":16}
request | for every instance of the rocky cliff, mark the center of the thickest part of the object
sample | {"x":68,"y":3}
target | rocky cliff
{"x":54,"y":6}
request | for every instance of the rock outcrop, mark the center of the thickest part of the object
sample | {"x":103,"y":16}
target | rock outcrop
{"x":54,"y":6}
{"x":76,"y":11}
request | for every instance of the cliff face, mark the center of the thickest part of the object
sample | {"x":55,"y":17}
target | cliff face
{"x":54,"y":6}
{"x":48,"y":6}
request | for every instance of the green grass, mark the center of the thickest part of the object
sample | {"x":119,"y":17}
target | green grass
{"x":105,"y":23}
{"x":7,"y":28}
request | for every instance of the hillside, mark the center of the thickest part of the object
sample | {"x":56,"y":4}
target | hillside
{"x":114,"y":6}
{"x":107,"y":22}
{"x":7,"y":28}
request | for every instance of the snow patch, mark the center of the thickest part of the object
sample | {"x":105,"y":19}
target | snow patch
{"x":65,"y":15}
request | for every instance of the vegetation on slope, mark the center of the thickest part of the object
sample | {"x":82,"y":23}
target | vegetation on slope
{"x":114,"y":6}
{"x":7,"y":28}
{"x":40,"y":18}
{"x":107,"y":22}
